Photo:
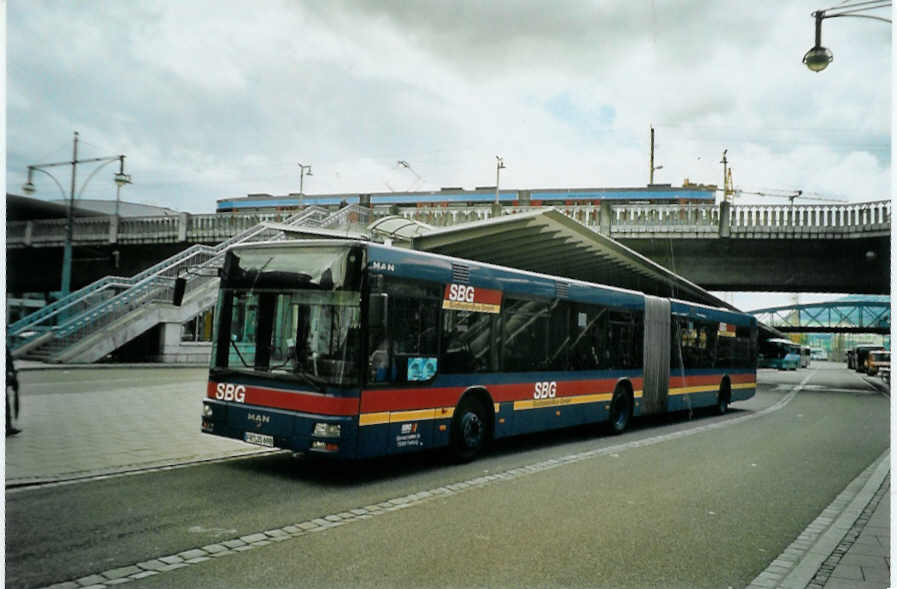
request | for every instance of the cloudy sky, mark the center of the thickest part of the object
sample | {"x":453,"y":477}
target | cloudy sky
{"x":219,"y":99}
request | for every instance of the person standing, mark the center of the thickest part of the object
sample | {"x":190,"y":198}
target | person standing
{"x":12,"y":382}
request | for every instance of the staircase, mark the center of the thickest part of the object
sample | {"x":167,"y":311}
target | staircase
{"x":101,"y":317}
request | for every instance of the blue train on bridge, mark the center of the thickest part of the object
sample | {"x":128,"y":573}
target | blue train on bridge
{"x":482,"y":195}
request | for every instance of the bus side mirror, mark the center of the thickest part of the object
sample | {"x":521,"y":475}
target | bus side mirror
{"x":377,"y":310}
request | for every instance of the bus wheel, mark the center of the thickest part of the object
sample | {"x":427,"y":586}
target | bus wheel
{"x":470,"y":430}
{"x":722,"y":402}
{"x":620,"y":411}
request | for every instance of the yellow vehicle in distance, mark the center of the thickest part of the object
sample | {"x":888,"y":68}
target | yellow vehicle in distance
{"x":879,"y":364}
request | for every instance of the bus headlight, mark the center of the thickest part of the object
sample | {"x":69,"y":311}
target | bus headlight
{"x":326,"y":430}
{"x":206,"y":410}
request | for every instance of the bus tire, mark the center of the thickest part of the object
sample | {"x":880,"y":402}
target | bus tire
{"x":470,"y":429}
{"x":620,"y":411}
{"x":723,"y":398}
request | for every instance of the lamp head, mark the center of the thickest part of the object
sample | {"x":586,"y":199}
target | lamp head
{"x":122,"y":179}
{"x":28,"y":187}
{"x":818,"y":58}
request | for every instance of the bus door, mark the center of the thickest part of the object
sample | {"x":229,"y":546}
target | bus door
{"x":656,"y":356}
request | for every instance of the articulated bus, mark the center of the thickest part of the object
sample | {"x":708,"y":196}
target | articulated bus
{"x":355,"y":349}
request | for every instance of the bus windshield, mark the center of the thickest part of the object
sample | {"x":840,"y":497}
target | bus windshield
{"x":293,"y":325}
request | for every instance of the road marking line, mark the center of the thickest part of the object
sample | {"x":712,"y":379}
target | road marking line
{"x":32,"y":483}
{"x":251,"y":541}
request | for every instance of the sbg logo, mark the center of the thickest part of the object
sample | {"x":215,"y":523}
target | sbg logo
{"x":230,"y":392}
{"x":459,"y":292}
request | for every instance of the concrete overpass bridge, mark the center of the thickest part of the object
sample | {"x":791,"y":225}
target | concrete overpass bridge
{"x":790,"y":248}
{"x":112,"y":310}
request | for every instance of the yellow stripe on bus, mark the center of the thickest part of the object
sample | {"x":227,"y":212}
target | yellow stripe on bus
{"x":689,"y":390}
{"x":558,"y":401}
{"x":400,"y":416}
{"x":708,"y":388}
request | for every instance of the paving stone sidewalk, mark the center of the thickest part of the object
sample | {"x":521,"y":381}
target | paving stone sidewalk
{"x":128,"y":428}
{"x":847,"y":546}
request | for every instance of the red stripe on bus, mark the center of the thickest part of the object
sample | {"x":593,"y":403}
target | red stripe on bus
{"x":377,"y":400}
{"x":304,"y":401}
{"x":696,"y":380}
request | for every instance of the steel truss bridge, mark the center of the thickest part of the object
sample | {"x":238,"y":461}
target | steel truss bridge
{"x":832,"y":317}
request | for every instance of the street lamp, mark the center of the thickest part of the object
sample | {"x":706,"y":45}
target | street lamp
{"x":303,"y":172}
{"x":818,"y":57}
{"x":120,"y":180}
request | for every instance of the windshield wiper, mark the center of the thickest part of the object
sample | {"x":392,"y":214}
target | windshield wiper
{"x":309,"y":380}
{"x":242,"y":359}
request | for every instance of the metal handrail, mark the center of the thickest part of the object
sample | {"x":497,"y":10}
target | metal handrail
{"x":38,"y":321}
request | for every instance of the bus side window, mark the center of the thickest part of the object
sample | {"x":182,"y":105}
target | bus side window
{"x":524,"y":335}
{"x":468,"y":338}
{"x":560,"y":337}
{"x":411,"y":335}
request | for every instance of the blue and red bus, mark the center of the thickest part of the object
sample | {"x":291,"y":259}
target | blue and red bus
{"x":356,"y":349}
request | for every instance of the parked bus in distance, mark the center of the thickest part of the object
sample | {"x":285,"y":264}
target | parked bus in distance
{"x":355,"y":349}
{"x":805,"y":356}
{"x":861,"y":355}
{"x":779,"y":353}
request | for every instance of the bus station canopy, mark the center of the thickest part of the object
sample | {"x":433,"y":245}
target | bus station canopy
{"x":550,"y":242}
{"x":544,"y":241}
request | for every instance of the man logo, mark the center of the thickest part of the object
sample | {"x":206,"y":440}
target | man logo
{"x":230,"y":392}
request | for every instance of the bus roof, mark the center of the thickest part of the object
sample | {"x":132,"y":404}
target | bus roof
{"x":439,"y":268}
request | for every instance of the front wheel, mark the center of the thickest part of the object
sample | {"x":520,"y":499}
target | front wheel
{"x":620,"y":411}
{"x":470,"y":430}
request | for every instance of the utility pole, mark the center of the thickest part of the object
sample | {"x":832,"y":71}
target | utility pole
{"x":499,"y":166}
{"x":652,"y":166}
{"x":728,"y":189}
{"x":651,"y":173}
{"x":69,"y":228}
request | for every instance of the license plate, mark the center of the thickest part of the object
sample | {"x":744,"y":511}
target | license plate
{"x":259,"y":439}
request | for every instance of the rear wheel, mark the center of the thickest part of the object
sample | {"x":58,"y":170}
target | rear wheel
{"x":620,"y":411}
{"x":470,"y":429}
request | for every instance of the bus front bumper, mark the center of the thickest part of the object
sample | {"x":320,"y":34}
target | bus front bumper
{"x":275,"y":428}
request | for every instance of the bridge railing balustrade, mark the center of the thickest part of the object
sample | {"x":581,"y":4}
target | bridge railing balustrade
{"x":629,"y":219}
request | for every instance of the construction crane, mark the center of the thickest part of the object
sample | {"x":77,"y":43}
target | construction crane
{"x":729,"y":191}
{"x":791,"y":195}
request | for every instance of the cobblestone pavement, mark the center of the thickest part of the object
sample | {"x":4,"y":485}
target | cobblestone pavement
{"x":132,"y":427}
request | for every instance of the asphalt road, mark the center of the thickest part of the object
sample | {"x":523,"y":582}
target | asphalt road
{"x":647,"y":509}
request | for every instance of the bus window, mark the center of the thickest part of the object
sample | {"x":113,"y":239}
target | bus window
{"x":560,"y":337}
{"x":407,"y":350}
{"x":588,"y":351}
{"x":697,"y":343}
{"x":467,"y":341}
{"x":524,"y":335}
{"x":624,"y":339}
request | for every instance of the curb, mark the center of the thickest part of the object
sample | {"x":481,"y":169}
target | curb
{"x":878,"y":384}
{"x":21,"y":367}
{"x":807,"y":554}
